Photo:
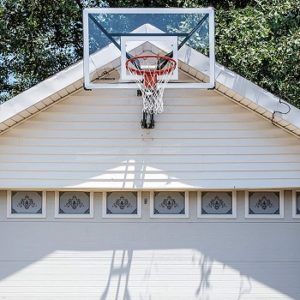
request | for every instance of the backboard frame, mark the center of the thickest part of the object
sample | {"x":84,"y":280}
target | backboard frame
{"x":131,"y":85}
{"x":172,"y":40}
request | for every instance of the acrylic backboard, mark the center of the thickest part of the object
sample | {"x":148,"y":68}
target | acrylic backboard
{"x":113,"y":35}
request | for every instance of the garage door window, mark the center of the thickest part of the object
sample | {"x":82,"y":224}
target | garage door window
{"x":171,"y":204}
{"x":296,"y":204}
{"x":73,"y":204}
{"x":216,"y":204}
{"x":264,"y":204}
{"x":122,"y":204}
{"x":26,"y":204}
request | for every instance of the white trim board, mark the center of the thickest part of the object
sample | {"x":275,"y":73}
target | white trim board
{"x":294,"y":204}
{"x":135,"y":10}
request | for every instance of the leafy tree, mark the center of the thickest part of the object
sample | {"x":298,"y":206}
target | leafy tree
{"x":262,"y":43}
{"x":259,"y":39}
{"x":38,"y":39}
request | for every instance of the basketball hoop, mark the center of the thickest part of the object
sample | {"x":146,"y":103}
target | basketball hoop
{"x":151,"y":73}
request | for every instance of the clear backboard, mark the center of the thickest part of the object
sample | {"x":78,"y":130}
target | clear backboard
{"x":112,"y":36}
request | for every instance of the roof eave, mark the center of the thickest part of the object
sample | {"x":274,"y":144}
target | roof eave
{"x":228,"y":83}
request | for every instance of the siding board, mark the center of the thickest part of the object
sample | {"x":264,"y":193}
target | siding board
{"x":170,"y":142}
{"x":115,"y":115}
{"x":146,"y":150}
{"x":160,"y":134}
{"x":149,"y":176}
{"x":168,"y":184}
{"x":131,"y":167}
{"x":131,"y":125}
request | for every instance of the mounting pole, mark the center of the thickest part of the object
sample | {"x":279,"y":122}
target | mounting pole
{"x":147,"y":121}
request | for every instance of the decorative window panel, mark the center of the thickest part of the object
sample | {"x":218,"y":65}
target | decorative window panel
{"x":122,"y":204}
{"x":216,"y":204}
{"x":296,"y":204}
{"x":73,"y":204}
{"x":264,"y":203}
{"x":26,"y":204}
{"x":169,"y":204}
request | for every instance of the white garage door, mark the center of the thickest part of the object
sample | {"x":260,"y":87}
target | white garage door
{"x":147,"y":258}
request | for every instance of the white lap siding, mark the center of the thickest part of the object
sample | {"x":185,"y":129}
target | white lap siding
{"x":93,"y":139}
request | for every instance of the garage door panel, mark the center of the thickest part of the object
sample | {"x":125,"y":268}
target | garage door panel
{"x":152,"y":260}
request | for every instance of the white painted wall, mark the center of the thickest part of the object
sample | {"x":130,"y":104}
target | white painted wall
{"x":93,"y":140}
{"x":69,"y":259}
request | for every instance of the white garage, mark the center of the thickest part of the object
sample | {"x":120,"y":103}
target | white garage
{"x":204,"y":206}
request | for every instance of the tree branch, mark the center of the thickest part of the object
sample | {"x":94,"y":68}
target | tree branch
{"x":79,"y":4}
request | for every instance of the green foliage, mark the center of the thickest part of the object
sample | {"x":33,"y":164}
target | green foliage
{"x":262,"y":43}
{"x":259,"y":39}
{"x":37,"y":39}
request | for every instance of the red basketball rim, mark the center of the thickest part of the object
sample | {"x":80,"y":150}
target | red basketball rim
{"x":164,"y":71}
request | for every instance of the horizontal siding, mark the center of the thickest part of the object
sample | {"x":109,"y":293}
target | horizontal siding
{"x":135,"y":175}
{"x":148,"y":150}
{"x":168,"y":184}
{"x":103,"y":125}
{"x":115,"y":160}
{"x":154,"y":168}
{"x":117,"y":116}
{"x":93,"y":139}
{"x":170,"y":142}
{"x":138,"y":133}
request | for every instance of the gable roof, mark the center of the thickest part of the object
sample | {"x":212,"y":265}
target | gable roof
{"x":228,"y":83}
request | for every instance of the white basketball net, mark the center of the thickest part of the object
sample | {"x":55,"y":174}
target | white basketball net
{"x":150,"y":81}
